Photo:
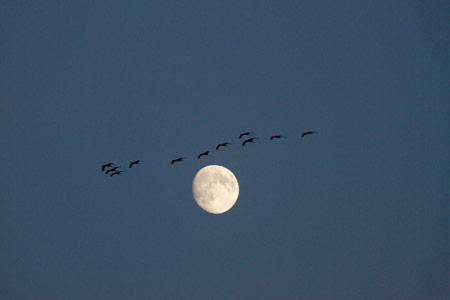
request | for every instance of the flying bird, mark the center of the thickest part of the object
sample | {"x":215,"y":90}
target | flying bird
{"x":116,"y":173}
{"x":204,"y":154}
{"x":248,"y":141}
{"x":107,"y":166}
{"x":277,"y":137}
{"x":136,"y":162}
{"x":180,"y":159}
{"x":111,"y":170}
{"x":308,"y":132}
{"x":245,"y":133}
{"x":222,"y":145}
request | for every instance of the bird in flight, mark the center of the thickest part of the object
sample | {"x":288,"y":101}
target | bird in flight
{"x":245,"y":133}
{"x":136,"y":162}
{"x":277,"y":137}
{"x":111,"y":170}
{"x":180,"y":159}
{"x":308,"y":132}
{"x":116,"y":173}
{"x":222,"y":145}
{"x":248,"y":141}
{"x":107,"y":166}
{"x":204,"y":154}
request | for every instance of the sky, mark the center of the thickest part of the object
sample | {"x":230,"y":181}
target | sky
{"x":358,"y":211}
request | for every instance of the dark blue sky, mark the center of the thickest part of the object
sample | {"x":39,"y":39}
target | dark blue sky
{"x":359,"y":211}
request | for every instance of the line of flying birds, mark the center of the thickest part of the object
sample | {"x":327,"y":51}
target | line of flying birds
{"x":113,"y":169}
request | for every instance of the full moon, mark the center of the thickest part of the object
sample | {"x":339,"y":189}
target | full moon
{"x":215,"y":189}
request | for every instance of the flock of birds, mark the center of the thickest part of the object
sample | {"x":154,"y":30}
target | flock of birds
{"x":114,"y":169}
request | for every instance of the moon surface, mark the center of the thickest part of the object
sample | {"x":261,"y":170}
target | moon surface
{"x":215,"y":189}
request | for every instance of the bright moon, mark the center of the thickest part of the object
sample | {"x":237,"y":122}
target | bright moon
{"x":215,"y":189}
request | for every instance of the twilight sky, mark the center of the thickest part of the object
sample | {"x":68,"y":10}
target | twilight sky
{"x":359,"y":211}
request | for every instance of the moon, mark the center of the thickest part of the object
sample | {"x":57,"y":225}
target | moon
{"x":215,"y":189}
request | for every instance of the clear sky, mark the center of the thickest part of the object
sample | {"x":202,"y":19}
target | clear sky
{"x":358,"y":211}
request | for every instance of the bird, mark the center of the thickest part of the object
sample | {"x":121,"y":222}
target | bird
{"x":308,"y":132}
{"x":180,"y":159}
{"x":107,"y":166}
{"x":248,"y":141}
{"x":116,"y":173}
{"x":204,"y":154}
{"x":136,"y":162}
{"x":222,"y":145}
{"x":277,"y":137}
{"x":245,"y":133}
{"x":111,"y":170}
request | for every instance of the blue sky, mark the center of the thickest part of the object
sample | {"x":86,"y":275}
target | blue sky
{"x":359,"y":211}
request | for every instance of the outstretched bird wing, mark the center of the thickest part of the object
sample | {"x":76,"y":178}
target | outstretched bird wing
{"x":248,"y":141}
{"x":204,"y":154}
{"x":308,"y":132}
{"x":136,"y":162}
{"x":245,"y":133}
{"x":277,"y":137}
{"x":176,"y":160}
{"x":223,"y":145}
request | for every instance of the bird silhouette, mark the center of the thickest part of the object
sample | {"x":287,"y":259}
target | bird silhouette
{"x":107,"y":166}
{"x":277,"y":137}
{"x":308,"y":132}
{"x":245,"y":133}
{"x":136,"y":162}
{"x":204,"y":154}
{"x":180,"y":159}
{"x":116,"y":173}
{"x":222,"y":145}
{"x":248,"y":141}
{"x":111,"y":170}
